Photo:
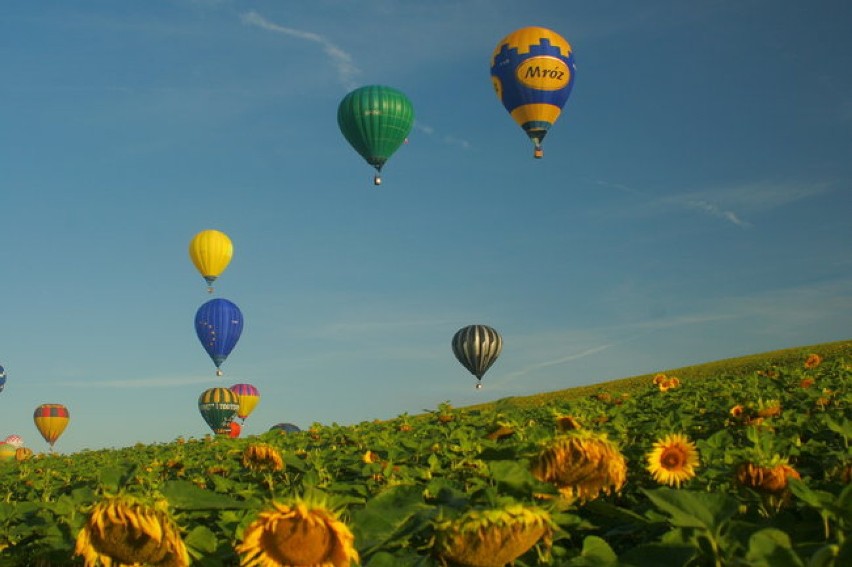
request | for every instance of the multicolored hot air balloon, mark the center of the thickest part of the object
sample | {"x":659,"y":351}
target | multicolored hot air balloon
{"x":532,"y":70}
{"x":285,"y":427}
{"x":249,"y":396}
{"x":2,"y":378}
{"x":211,"y":252}
{"x":14,"y":440}
{"x":375,"y":120}
{"x":218,"y":406}
{"x":218,"y":324}
{"x":477,"y":347}
{"x":7,"y":451}
{"x":51,"y":420}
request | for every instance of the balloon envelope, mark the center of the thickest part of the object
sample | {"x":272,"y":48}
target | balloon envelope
{"x":375,"y":120}
{"x":218,"y":324}
{"x":14,"y":440}
{"x":2,"y":378}
{"x":285,"y":427}
{"x":235,"y":430}
{"x":51,"y":420}
{"x":477,"y":347}
{"x":211,"y":252}
{"x":7,"y":451}
{"x":532,"y":70}
{"x":218,"y":406}
{"x":249,"y":396}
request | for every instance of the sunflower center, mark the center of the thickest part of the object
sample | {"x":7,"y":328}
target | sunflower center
{"x":293,"y":542}
{"x":673,"y":459}
{"x":127,"y":545}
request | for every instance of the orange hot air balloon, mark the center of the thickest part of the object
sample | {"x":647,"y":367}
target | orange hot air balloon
{"x":51,"y":420}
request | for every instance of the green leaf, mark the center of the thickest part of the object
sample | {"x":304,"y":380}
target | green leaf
{"x":596,"y":553}
{"x":115,"y":477}
{"x":771,"y":547}
{"x":183,"y":495}
{"x":384,"y":514}
{"x":656,"y":554}
{"x":688,"y":509}
{"x":201,"y":540}
{"x":512,"y":477}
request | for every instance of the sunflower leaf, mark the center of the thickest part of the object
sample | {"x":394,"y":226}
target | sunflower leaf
{"x":771,"y":547}
{"x":184,"y":495}
{"x":688,"y":509}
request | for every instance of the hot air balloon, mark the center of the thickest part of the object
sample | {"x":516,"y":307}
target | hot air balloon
{"x":375,"y":120}
{"x":285,"y":427}
{"x":218,"y":324}
{"x":14,"y":440}
{"x":211,"y":252}
{"x":532,"y":70}
{"x":7,"y":451}
{"x":51,"y":420}
{"x":218,"y":406}
{"x":2,"y":378}
{"x":477,"y":347}
{"x":249,"y":396}
{"x":235,"y":430}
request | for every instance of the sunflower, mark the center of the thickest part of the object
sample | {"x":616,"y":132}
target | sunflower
{"x":121,"y":531}
{"x":566,"y":423}
{"x":659,"y":379}
{"x":491,"y":537}
{"x":673,"y":460}
{"x":581,"y":464}
{"x":260,"y":456}
{"x":769,"y":479}
{"x":297,"y":535}
{"x":813,"y":361}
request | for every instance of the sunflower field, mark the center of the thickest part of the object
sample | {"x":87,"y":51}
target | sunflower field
{"x":744,"y":466}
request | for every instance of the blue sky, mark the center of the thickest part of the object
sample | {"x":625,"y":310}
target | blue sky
{"x":692,"y":205}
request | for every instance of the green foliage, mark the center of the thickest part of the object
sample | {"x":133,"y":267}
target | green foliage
{"x":393,"y":482}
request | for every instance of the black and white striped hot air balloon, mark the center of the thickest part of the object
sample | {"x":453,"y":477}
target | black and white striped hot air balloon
{"x":477,"y":347}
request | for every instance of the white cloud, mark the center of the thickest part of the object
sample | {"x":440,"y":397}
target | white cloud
{"x":448,"y":139}
{"x":346,"y":69}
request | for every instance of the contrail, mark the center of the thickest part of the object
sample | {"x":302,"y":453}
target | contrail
{"x":346,"y":69}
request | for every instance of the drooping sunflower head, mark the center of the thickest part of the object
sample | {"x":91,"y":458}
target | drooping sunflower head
{"x":581,"y":464}
{"x":297,"y":534}
{"x":673,"y":460}
{"x":565,"y":423}
{"x":492,"y":537}
{"x":768,"y":478}
{"x":122,"y":531}
{"x":262,"y":457}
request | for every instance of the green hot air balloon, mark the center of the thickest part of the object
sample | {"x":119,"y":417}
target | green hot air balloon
{"x":375,"y":120}
{"x":218,"y":407}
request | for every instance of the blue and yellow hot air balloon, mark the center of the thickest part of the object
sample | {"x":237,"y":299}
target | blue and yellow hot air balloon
{"x":211,"y":252}
{"x":249,"y":396}
{"x":218,"y":406}
{"x":218,"y":324}
{"x":51,"y":420}
{"x":532,"y":70}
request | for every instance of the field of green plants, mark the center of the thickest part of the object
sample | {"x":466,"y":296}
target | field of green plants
{"x":455,"y":486}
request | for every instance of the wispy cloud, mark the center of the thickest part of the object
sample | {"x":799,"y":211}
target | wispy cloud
{"x":137,"y":383}
{"x":553,"y":362}
{"x":448,"y":139}
{"x":346,"y":69}
{"x":728,"y":203}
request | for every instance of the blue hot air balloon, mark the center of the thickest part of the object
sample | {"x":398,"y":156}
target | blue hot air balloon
{"x":218,"y":324}
{"x":2,"y":378}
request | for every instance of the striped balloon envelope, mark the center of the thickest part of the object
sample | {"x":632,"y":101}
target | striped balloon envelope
{"x":2,"y":378}
{"x":249,"y":396}
{"x":477,"y":348}
{"x":532,"y":70}
{"x":51,"y":420}
{"x":218,"y":406}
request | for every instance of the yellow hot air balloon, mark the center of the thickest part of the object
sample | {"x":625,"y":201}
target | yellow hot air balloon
{"x":211,"y":252}
{"x":51,"y":420}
